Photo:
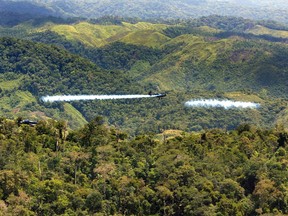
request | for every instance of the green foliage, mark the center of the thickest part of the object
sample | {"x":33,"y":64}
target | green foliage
{"x":119,"y":56}
{"x":51,"y":169}
{"x":198,"y":59}
{"x":95,"y":171}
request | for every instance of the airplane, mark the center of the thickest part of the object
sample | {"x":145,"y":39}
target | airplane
{"x":158,"y":95}
{"x":28,"y":122}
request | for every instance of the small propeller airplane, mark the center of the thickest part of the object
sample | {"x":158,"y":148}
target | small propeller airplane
{"x":28,"y":122}
{"x":158,"y":95}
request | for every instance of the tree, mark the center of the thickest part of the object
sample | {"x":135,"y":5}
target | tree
{"x":94,"y":133}
{"x":93,"y":202}
{"x":267,"y":195}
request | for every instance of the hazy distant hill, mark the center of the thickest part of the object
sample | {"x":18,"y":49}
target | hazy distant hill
{"x":24,"y":7}
{"x":155,"y":9}
{"x":13,"y":12}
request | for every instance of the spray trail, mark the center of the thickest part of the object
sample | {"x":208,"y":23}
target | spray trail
{"x":91,"y":97}
{"x":226,"y":104}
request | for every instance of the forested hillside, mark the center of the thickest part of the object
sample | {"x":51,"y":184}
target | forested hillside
{"x":99,"y":170}
{"x":166,"y":152}
{"x":212,"y":57}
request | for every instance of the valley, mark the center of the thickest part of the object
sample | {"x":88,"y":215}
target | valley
{"x":143,"y":107}
{"x":135,"y":58}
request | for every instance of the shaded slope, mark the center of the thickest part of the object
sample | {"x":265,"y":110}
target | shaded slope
{"x":222,"y":65}
{"x":198,"y":56}
{"x":198,"y":64}
{"x":45,"y":65}
{"x":13,"y":12}
{"x":30,"y":70}
{"x":36,"y":70}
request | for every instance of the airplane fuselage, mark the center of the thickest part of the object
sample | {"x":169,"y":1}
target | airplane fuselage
{"x":160,"y":95}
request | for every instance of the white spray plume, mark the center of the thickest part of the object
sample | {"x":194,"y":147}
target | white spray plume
{"x":226,"y":104}
{"x":91,"y":97}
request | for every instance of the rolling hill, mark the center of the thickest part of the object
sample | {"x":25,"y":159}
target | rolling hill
{"x":150,"y":155}
{"x":25,"y":68}
{"x":198,"y":59}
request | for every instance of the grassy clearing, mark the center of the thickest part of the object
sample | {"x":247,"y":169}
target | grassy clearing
{"x":148,"y":38}
{"x":75,"y":114}
{"x":261,"y":30}
{"x":24,"y":97}
{"x":89,"y":34}
{"x":9,"y":84}
{"x":100,"y":35}
{"x":191,"y":51}
{"x":15,"y":101}
{"x":198,"y":50}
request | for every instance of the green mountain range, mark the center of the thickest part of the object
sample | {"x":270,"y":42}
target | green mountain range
{"x":151,"y":155}
{"x":212,"y":57}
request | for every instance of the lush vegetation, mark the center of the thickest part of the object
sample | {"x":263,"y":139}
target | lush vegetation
{"x":233,"y":163}
{"x":212,"y":57}
{"x":23,"y":85}
{"x":45,"y":170}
